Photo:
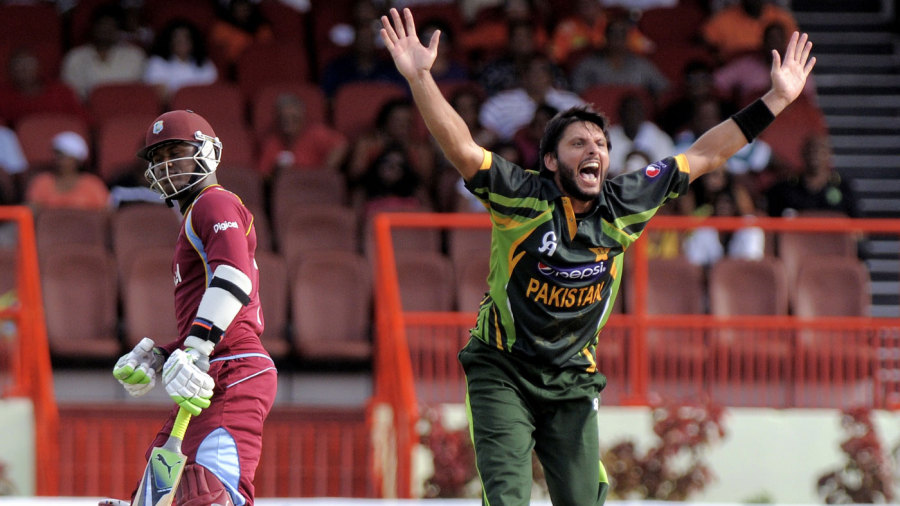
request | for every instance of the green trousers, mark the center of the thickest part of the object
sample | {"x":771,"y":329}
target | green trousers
{"x":515,"y":407}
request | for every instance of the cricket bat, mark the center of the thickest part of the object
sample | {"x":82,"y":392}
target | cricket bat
{"x":164,"y":467}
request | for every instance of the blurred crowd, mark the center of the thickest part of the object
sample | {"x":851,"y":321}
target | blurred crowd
{"x":663,"y":71}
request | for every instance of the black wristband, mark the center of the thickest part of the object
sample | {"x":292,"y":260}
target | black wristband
{"x":753,"y":119}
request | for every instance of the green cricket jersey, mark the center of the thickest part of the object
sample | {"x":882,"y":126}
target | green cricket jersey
{"x":554,"y":275}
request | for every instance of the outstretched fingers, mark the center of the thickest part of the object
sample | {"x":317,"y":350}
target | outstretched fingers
{"x":398,"y":24}
{"x":410,"y":24}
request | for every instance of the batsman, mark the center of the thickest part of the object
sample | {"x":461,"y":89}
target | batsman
{"x":557,"y":240}
{"x":217,"y":370}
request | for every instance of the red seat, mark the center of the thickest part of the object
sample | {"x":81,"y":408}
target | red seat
{"x":142,"y":226}
{"x":148,"y":297}
{"x":238,"y":146}
{"x":79,"y":284}
{"x":219,"y":103}
{"x":301,"y":188}
{"x":267,"y":63}
{"x":244,"y":182}
{"x":159,"y":13}
{"x":356,"y":105}
{"x":331,"y":307}
{"x":118,"y":140}
{"x":56,"y":228}
{"x":111,"y":100}
{"x":263,"y":104}
{"x":273,"y":295}
{"x":317,"y":227}
{"x":471,"y":282}
{"x":427,"y":281}
{"x":36,"y":132}
{"x":787,"y":135}
{"x":36,"y":24}
{"x":796,"y":248}
{"x":672,"y":25}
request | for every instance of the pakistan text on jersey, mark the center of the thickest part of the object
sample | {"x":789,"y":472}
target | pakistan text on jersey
{"x":563,"y":297}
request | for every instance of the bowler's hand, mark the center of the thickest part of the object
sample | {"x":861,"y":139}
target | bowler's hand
{"x":789,"y":75}
{"x":409,"y":55}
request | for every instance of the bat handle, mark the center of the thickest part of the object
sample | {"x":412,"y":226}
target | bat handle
{"x":181,"y":423}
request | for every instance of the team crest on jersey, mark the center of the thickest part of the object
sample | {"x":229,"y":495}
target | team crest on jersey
{"x":653,"y":169}
{"x":157,"y":127}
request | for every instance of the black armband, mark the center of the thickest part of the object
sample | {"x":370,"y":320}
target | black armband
{"x":753,"y":119}
{"x":206,"y":330}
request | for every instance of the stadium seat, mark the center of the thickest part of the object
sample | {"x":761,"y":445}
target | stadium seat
{"x":79,"y":284}
{"x":795,"y":125}
{"x":427,"y":281}
{"x":36,"y":132}
{"x":465,"y":245}
{"x":471,"y":282}
{"x":405,"y":239}
{"x":27,"y":23}
{"x":148,"y":297}
{"x":356,"y":105}
{"x":677,"y":357}
{"x":298,"y":188}
{"x":331,"y":307}
{"x":267,"y":63}
{"x":748,"y":356}
{"x":56,"y":228}
{"x":112,"y":100}
{"x":159,"y":13}
{"x":263,"y":104}
{"x":678,"y":24}
{"x":316,"y":228}
{"x":273,"y":296}
{"x":118,"y":140}
{"x":220,"y":103}
{"x":238,"y":145}
{"x":142,"y":226}
{"x":796,"y":248}
{"x":245,"y":182}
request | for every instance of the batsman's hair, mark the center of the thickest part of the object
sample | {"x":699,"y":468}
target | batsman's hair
{"x":555,"y":127}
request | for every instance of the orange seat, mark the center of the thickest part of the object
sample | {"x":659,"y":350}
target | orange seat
{"x":263,"y":104}
{"x":79,"y":284}
{"x":273,"y":296}
{"x":356,"y":105}
{"x":36,"y":132}
{"x":111,"y":100}
{"x":317,"y":227}
{"x":219,"y":103}
{"x":148,"y":297}
{"x":331,"y":307}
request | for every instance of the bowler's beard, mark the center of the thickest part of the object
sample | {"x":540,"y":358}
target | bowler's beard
{"x":567,"y":179}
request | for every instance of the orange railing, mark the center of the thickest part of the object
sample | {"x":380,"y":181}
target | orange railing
{"x":416,"y":351}
{"x":30,"y":373}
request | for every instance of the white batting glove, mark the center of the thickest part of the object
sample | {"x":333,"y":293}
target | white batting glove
{"x":137,"y":369}
{"x":187,"y":385}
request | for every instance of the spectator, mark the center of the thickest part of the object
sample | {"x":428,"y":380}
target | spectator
{"x":393,"y":125}
{"x":696,"y":86}
{"x":238,"y":26}
{"x":27,"y":92}
{"x":504,"y":71}
{"x":510,"y":110}
{"x":366,"y":61}
{"x":490,"y":33}
{"x":747,"y":165}
{"x":739,"y":28}
{"x":12,"y":165}
{"x":294,"y":142}
{"x":745,"y":76}
{"x":448,"y":67}
{"x":636,"y":132}
{"x":585,"y":31}
{"x":618,"y":64}
{"x":105,"y":58}
{"x":67,"y":185}
{"x":527,"y":139}
{"x":179,"y":59}
{"x":718,"y":194}
{"x":819,"y":187}
{"x":390,"y":182}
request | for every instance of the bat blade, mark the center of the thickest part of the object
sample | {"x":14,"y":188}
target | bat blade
{"x":164,"y":468}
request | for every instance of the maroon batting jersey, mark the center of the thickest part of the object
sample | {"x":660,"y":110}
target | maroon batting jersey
{"x":217,"y":229}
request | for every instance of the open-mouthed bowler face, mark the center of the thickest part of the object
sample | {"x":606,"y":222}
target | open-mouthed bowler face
{"x":581,"y":162}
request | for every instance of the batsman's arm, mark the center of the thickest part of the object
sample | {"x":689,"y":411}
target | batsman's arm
{"x":414,"y":62}
{"x":789,"y":76}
